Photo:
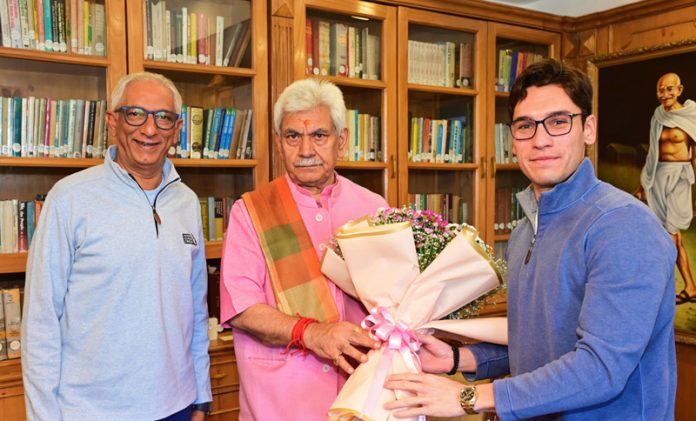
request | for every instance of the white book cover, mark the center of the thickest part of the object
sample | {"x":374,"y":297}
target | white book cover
{"x":85,"y":128}
{"x":5,"y":29}
{"x":31,"y":123}
{"x":219,"y":38}
{"x":24,"y":22}
{"x":99,"y":30}
{"x":168,"y":41}
{"x":15,"y":24}
{"x":23,"y":128}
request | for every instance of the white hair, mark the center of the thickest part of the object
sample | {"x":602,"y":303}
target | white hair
{"x":117,"y":94}
{"x":307,"y":94}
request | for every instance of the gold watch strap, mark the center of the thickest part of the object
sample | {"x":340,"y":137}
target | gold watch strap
{"x":467,"y":399}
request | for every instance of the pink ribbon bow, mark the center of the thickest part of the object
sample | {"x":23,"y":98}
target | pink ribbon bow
{"x":398,"y":338}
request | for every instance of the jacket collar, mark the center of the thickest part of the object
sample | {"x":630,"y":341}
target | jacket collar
{"x":563,"y":195}
{"x":168,"y":171}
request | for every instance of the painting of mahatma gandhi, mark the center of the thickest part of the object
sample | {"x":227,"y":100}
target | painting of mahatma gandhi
{"x":646,"y":104}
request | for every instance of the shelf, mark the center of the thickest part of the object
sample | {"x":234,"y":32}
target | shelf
{"x":501,"y":237}
{"x":213,"y":249}
{"x":502,"y":95}
{"x":17,"y":262}
{"x":355,"y":82}
{"x":441,"y":166}
{"x":80,"y":59}
{"x":361,"y":165}
{"x":507,"y":167}
{"x":50,"y":162}
{"x":198,"y":68}
{"x":13,"y":262}
{"x":442,"y":90}
{"x":212,"y":163}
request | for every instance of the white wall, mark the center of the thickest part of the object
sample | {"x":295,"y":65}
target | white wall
{"x":573,"y":8}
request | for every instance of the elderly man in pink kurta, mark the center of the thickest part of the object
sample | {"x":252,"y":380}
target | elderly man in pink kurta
{"x":296,"y":335}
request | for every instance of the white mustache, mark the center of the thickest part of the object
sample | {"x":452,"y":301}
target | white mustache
{"x":308,"y":162}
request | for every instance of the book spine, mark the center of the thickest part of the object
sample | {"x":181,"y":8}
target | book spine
{"x":24,"y":23}
{"x":5,"y":28}
{"x":99,"y":30}
{"x":196,"y":131}
{"x":219,"y":29}
{"x":13,"y":322}
{"x":39,"y":27}
{"x":89,"y":150}
{"x":3,"y":340}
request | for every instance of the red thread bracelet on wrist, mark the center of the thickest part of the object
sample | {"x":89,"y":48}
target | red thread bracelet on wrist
{"x":296,"y":337}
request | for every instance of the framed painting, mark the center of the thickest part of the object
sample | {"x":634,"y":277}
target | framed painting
{"x":646,"y":146}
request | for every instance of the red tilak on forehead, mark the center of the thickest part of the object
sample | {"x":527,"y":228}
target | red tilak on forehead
{"x":306,"y":124}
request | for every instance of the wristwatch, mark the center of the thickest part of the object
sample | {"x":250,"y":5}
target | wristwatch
{"x":205,"y":407}
{"x":467,"y":399}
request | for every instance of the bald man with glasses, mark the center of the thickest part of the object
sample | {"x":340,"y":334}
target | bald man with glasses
{"x":115,"y":315}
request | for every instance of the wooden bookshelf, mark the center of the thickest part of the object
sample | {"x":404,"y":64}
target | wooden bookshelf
{"x":376,"y":97}
{"x":440,"y":97}
{"x":507,"y":175}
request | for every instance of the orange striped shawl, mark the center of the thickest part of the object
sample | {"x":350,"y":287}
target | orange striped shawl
{"x":293,"y":265}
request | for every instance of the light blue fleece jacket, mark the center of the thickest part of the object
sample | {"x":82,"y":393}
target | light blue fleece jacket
{"x":115,"y":316}
{"x":591,"y":312}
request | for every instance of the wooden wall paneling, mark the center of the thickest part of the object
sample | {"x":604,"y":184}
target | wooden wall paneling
{"x":282,"y":62}
{"x":685,"y":409}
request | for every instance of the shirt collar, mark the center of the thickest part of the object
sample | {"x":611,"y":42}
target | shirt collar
{"x":305,"y":197}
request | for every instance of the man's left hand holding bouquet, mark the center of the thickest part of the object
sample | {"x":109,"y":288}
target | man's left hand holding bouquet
{"x":431,"y":393}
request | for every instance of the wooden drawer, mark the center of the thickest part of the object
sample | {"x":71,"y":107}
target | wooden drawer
{"x":225,"y":406}
{"x":11,"y":391}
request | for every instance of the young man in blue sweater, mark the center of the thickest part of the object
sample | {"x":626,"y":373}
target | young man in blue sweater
{"x":590,"y":289}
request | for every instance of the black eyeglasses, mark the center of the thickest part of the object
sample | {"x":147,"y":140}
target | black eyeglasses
{"x":555,"y":125}
{"x":137,"y":116}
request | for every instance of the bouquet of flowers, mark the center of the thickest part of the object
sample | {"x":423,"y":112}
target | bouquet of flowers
{"x":409,"y":268}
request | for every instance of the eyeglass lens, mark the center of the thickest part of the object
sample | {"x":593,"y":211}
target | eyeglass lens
{"x":555,"y":125}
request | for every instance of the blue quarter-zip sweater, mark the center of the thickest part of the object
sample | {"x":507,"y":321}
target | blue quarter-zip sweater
{"x":115,"y":315}
{"x":590,"y":309}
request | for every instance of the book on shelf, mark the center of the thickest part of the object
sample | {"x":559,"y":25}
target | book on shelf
{"x":3,"y":336}
{"x":216,"y":133}
{"x":42,"y":127}
{"x":335,"y":48}
{"x":363,"y":142}
{"x":511,"y":63}
{"x":508,"y":211}
{"x":439,"y":140}
{"x":213,"y":216}
{"x":442,"y":63}
{"x":451,"y":206}
{"x":71,"y":26}
{"x":13,"y":321}
{"x":18,"y":219}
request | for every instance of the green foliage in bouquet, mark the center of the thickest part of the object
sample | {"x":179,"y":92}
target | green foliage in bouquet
{"x":431,"y":234}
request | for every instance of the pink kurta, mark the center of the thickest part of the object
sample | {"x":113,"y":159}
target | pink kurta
{"x":276,"y":386}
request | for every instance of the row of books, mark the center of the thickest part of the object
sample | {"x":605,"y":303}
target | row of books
{"x":451,"y":206}
{"x":55,"y":128}
{"x":183,"y":35}
{"x":215,"y":133}
{"x":338,"y":49}
{"x":508,"y":211}
{"x":510,"y":64}
{"x":363,"y":137}
{"x":18,"y":219}
{"x":440,"y":63}
{"x":215,"y":212}
{"x":503,"y":145}
{"x":439,"y":140}
{"x":68,"y":26}
{"x":11,"y":322}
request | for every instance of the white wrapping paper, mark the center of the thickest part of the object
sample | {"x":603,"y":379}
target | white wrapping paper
{"x":380,"y":267}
